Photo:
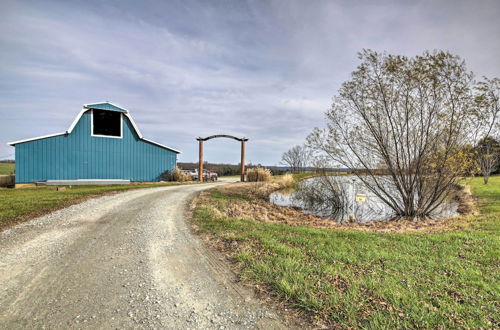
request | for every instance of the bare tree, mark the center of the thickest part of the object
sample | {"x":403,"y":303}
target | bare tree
{"x":488,"y":107}
{"x":488,"y":154}
{"x":408,"y":123}
{"x":487,"y":122}
{"x":297,"y":158}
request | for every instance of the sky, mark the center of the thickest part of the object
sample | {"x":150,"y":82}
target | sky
{"x":266,"y":70}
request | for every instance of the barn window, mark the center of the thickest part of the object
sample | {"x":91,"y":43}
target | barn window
{"x":106,"y":123}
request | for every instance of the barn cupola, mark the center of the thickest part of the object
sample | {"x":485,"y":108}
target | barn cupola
{"x":106,"y":119}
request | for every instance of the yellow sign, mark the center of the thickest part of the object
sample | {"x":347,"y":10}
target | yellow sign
{"x":360,"y":197}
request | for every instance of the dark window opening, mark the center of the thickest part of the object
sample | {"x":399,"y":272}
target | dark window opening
{"x":107,"y":123}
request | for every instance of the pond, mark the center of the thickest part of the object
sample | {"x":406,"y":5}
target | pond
{"x":344,"y":198}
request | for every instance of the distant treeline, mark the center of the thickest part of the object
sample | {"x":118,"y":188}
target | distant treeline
{"x":220,"y":169}
{"x":232,"y":169}
{"x":8,"y":161}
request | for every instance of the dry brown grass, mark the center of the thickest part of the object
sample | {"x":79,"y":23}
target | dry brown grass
{"x":180,"y":176}
{"x":259,"y":174}
{"x":261,"y":189}
{"x":287,"y":180}
{"x":466,"y":203}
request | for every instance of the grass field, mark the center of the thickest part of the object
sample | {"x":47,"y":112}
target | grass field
{"x":7,"y":168}
{"x":348,"y":278}
{"x":19,"y":204}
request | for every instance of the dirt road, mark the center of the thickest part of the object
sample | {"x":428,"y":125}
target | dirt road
{"x":121,"y":261}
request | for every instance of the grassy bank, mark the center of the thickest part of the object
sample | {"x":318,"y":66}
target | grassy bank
{"x":7,"y":168}
{"x":351,"y":278}
{"x":19,"y":204}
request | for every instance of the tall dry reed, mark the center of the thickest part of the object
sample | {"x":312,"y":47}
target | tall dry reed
{"x":259,"y":174}
{"x":180,"y":176}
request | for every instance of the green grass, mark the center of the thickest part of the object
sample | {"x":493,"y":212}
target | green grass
{"x":19,"y":204}
{"x":377,"y":280}
{"x":7,"y":168}
{"x":217,"y":195}
{"x":489,"y":193}
{"x":302,"y":176}
{"x":307,"y":175}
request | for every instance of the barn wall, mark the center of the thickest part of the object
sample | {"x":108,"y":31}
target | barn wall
{"x":82,"y":156}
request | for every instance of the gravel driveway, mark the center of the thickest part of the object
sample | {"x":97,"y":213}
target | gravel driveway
{"x":121,"y":261}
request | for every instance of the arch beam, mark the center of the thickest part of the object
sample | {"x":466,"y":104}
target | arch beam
{"x":222,"y":136}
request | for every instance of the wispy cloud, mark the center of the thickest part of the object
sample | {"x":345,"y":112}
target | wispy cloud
{"x":263,"y":69}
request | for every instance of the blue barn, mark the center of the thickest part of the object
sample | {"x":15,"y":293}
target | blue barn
{"x":102,"y":143}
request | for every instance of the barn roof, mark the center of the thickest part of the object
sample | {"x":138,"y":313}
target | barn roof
{"x":99,"y":106}
{"x":105,"y":106}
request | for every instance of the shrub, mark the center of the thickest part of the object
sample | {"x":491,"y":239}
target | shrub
{"x":180,"y":176}
{"x":287,"y":181}
{"x":166,"y":176}
{"x":176,"y":175}
{"x":258,"y":174}
{"x":264,"y":189}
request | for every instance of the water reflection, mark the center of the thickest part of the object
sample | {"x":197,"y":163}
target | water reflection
{"x":334,"y":197}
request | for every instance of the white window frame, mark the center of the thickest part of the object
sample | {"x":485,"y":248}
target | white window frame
{"x":105,"y":136}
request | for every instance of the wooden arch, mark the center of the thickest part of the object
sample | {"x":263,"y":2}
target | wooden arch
{"x":200,"y":164}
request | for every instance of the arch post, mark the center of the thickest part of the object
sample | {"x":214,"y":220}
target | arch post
{"x":201,"y":140}
{"x":200,"y":164}
{"x":242,"y":160}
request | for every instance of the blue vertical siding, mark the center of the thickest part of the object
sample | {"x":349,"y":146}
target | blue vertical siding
{"x":81,"y":156}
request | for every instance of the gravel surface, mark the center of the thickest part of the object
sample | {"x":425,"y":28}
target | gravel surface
{"x":121,"y":261}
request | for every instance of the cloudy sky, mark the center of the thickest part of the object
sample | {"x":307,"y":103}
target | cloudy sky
{"x":266,"y":70}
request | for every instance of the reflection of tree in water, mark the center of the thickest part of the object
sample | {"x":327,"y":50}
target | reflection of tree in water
{"x":323,"y":196}
{"x":334,"y":197}
{"x":373,"y":208}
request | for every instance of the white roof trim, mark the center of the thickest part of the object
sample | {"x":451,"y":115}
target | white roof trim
{"x":161,"y":145}
{"x":80,"y":114}
{"x":77,"y":119}
{"x":134,"y":125}
{"x":35,"y":138}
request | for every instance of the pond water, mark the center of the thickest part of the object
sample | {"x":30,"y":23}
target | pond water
{"x":344,"y":198}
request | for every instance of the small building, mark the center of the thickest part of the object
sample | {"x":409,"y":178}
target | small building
{"x":103,"y":143}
